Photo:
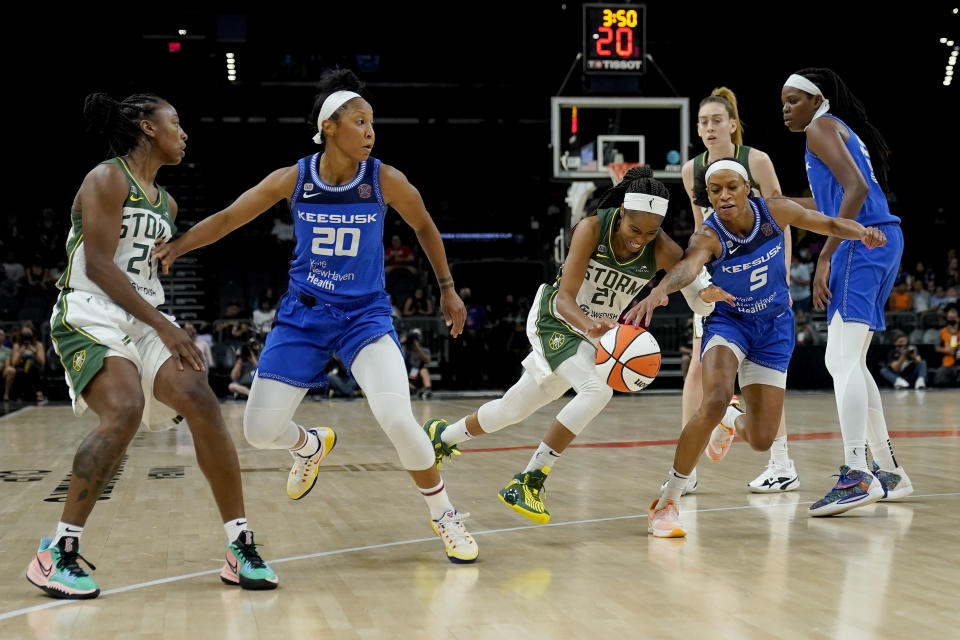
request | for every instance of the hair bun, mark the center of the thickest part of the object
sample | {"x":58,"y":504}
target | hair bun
{"x":637,"y":173}
{"x":99,"y":109}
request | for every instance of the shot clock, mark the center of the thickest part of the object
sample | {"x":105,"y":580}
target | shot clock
{"x":614,"y":38}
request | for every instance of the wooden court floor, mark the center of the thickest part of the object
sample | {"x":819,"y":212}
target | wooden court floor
{"x":357,"y":557}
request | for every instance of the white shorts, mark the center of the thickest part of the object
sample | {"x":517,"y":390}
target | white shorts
{"x":86,"y":328}
{"x":749,"y":372}
{"x":697,"y":326}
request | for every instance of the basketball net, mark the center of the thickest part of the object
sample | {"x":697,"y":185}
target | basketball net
{"x":619,"y":169}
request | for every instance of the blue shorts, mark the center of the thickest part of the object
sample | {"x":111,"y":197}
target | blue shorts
{"x":305,"y":337}
{"x":766,"y":340}
{"x":861,"y":279}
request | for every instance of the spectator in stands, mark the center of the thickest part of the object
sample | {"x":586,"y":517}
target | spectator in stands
{"x":342,"y":384}
{"x":5,"y":351}
{"x":416,"y":358}
{"x":24,"y":371}
{"x":234,"y":322}
{"x":953,"y":273}
{"x":14,"y":270}
{"x":418,"y":304}
{"x":202,"y":346}
{"x":904,"y":365}
{"x":900,"y":299}
{"x":241,"y":376}
{"x":806,"y":334}
{"x":948,"y":375}
{"x":398,"y":254}
{"x":800,"y":282}
{"x":50,"y":238}
{"x":263,"y":316}
{"x":924,"y":275}
{"x":920,"y":296}
{"x":37,"y":277}
{"x":939,"y":299}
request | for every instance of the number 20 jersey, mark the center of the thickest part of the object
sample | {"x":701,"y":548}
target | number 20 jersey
{"x":752,"y":269}
{"x":339,"y":233}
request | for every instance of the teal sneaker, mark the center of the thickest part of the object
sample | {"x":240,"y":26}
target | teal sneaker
{"x":434,"y":428}
{"x":524,"y":494}
{"x":55,"y":570}
{"x":245,"y":567}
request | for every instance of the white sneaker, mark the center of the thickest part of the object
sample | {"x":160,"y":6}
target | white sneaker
{"x":691,"y":485}
{"x":921,"y":383}
{"x":900,"y":383}
{"x":775,"y":478}
{"x":896,"y":483}
{"x":457,"y":541}
{"x":303,"y":473}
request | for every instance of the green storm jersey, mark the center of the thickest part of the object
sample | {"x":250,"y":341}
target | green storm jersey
{"x":143,"y":222}
{"x":609,"y":284}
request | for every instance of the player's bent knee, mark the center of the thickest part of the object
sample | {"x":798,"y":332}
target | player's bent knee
{"x":261,"y":427}
{"x":714,"y":406}
{"x":412,"y":444}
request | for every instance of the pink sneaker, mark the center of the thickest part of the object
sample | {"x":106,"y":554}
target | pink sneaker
{"x":722,"y":436}
{"x":665,"y":521}
{"x":54,"y":569}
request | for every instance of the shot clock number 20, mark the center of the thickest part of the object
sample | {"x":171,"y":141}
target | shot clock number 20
{"x":613,"y":38}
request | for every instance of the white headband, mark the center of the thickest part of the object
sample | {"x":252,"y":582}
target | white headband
{"x":646,"y":203}
{"x":333,"y":102}
{"x":731,"y":165}
{"x":804,"y":84}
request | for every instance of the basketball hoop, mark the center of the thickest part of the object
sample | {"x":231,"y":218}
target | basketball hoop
{"x":619,"y":169}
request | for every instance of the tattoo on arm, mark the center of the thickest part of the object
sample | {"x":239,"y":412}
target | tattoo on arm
{"x":682,"y":274}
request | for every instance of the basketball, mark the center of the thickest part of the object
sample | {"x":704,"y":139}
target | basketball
{"x":628,"y":358}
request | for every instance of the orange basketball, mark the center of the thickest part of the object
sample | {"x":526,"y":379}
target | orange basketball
{"x":628,"y":358}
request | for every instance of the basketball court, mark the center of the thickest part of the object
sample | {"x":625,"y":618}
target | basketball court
{"x":357,"y":558}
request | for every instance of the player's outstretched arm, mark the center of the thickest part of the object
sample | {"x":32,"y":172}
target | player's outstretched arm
{"x":275,"y":187}
{"x":787,"y":212}
{"x":703,"y":246}
{"x":406,"y":199}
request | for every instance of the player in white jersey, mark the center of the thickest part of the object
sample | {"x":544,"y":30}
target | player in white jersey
{"x":125,"y":359}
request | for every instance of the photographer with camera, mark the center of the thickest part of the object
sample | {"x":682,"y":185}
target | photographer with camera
{"x":241,"y":376}
{"x":416,"y":359}
{"x":904,"y":365}
{"x":948,"y":375}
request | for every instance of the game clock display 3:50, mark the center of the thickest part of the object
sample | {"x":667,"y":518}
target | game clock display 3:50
{"x":614,"y":38}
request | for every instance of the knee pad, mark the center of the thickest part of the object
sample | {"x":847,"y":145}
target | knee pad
{"x":394,"y":415}
{"x":592,"y":396}
{"x":521,"y":400}
{"x":263,"y":427}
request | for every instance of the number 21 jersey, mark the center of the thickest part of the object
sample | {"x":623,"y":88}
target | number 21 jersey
{"x":339,"y":233}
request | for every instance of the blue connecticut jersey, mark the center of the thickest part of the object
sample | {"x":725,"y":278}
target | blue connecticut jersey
{"x":752,"y":269}
{"x":339,"y":233}
{"x":829,"y":194}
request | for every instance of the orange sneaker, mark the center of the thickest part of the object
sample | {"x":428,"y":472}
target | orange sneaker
{"x":665,"y":521}
{"x":722,"y":436}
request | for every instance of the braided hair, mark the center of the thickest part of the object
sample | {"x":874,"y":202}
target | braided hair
{"x":728,"y":100}
{"x":120,"y":121}
{"x":848,"y":107}
{"x":331,"y":82}
{"x":637,"y":180}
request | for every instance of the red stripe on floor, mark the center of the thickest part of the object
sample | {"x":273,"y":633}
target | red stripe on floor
{"x":824,"y":435}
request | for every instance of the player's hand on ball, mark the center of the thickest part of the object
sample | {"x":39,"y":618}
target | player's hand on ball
{"x":873,"y":238}
{"x":642,"y":312}
{"x":600,"y":328}
{"x":454,"y":313}
{"x":713,"y":293}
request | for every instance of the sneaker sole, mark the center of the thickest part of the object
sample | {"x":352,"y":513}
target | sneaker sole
{"x":60,"y":595}
{"x":836,"y":508}
{"x":316,"y":472}
{"x":677,"y":532}
{"x":539,"y":518}
{"x":793,"y":485}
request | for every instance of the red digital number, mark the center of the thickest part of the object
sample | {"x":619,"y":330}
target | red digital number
{"x":624,"y":49}
{"x":605,"y":41}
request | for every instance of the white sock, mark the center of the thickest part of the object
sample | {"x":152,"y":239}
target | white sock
{"x":234,"y":528}
{"x":676,"y":482}
{"x":437,"y":500}
{"x":456,"y":433}
{"x":66,"y":530}
{"x":883,"y":454}
{"x":311,"y":445}
{"x":778,"y":451}
{"x":729,"y":419}
{"x":544,"y":457}
{"x":855,"y":454}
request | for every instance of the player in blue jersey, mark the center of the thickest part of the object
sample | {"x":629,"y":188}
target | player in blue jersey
{"x":847,"y":175}
{"x":752,"y":335}
{"x":336,"y":300}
